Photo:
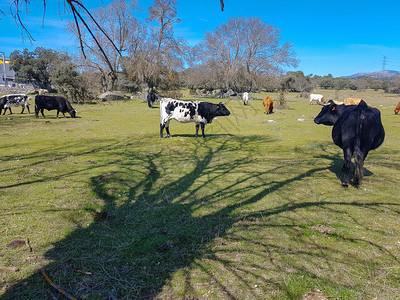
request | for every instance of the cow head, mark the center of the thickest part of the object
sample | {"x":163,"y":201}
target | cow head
{"x":222,"y":110}
{"x":72,"y":113}
{"x":328,"y":115}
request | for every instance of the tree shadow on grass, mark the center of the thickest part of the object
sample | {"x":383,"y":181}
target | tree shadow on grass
{"x":149,"y":229}
{"x":337,"y":166}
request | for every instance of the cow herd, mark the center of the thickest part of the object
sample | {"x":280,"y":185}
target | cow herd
{"x":42,"y":102}
{"x":357,"y":128}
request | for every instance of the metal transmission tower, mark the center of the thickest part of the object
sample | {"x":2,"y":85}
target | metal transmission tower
{"x":384,"y":63}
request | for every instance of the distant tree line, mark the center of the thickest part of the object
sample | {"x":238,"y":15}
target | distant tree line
{"x":244,"y":54}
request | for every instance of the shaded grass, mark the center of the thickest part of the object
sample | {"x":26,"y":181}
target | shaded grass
{"x":250,"y":212}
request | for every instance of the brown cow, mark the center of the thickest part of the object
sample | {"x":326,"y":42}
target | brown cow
{"x":397,"y":109}
{"x":268,"y":104}
{"x":352,"y":101}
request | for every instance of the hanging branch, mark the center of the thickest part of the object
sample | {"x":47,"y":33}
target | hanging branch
{"x":77,"y":17}
{"x":70,"y":2}
{"x":76,"y":14}
{"x":79,"y":36}
{"x":16,"y":16}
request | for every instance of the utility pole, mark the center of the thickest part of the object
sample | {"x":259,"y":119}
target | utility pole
{"x":4,"y":68}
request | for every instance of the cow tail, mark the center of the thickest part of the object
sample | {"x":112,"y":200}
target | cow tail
{"x":358,"y":155}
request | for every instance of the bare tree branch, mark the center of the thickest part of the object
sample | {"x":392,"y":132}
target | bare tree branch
{"x":70,"y":2}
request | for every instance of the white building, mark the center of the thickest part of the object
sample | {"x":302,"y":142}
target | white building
{"x":7,"y":76}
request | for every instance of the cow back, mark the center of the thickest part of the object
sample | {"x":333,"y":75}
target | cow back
{"x":359,"y":120}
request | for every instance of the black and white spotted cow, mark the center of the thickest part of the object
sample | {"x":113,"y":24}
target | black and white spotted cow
{"x":200,"y":112}
{"x":14,"y":100}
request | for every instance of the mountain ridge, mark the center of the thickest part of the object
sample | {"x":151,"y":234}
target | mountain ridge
{"x":376,"y":74}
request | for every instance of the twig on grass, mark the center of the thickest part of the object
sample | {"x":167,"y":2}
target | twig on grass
{"x":56,"y":286}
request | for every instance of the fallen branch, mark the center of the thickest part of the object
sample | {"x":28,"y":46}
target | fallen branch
{"x":56,"y":286}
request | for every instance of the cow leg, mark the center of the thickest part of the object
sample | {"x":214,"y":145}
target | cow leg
{"x":358,"y":167}
{"x":161,"y":130}
{"x":27,"y":107}
{"x":346,"y":167}
{"x":166,"y":126}
{"x":42,"y":111}
{"x":197,"y":130}
{"x":167,"y":130}
{"x":37,"y":112}
{"x":202,"y":129}
{"x":22,"y":111}
{"x":10,"y":110}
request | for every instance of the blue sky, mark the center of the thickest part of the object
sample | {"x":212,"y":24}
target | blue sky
{"x":337,"y":37}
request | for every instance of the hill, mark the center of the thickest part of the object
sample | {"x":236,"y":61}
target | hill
{"x":376,"y":74}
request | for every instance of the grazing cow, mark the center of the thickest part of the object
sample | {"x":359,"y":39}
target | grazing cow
{"x":15,"y":100}
{"x":352,"y":101}
{"x":61,"y":104}
{"x":43,"y":92}
{"x":245,"y":98}
{"x":3,"y":101}
{"x":151,"y":98}
{"x":357,"y":129}
{"x":318,"y":98}
{"x":200,"y":112}
{"x":269,"y":105}
{"x":397,"y":109}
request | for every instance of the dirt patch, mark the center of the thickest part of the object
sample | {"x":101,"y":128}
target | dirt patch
{"x":314,"y":294}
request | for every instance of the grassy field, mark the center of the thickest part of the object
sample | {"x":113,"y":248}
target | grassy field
{"x":253,"y":211}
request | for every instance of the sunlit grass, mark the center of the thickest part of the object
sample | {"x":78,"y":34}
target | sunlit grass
{"x":253,"y":211}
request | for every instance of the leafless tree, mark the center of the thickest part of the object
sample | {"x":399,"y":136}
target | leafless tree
{"x":245,"y":50}
{"x":120,"y":24}
{"x":160,"y":54}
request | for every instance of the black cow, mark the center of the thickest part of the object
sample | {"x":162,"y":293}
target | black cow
{"x":3,"y":101}
{"x":357,"y":129}
{"x":151,"y":98}
{"x":200,"y":112}
{"x":61,"y":104}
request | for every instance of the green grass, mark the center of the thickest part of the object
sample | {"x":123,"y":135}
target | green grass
{"x":253,"y":211}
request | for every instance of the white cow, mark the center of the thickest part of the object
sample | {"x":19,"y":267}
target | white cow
{"x":16,"y":100}
{"x":245,"y":98}
{"x":318,"y":98}
{"x":200,"y":112}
